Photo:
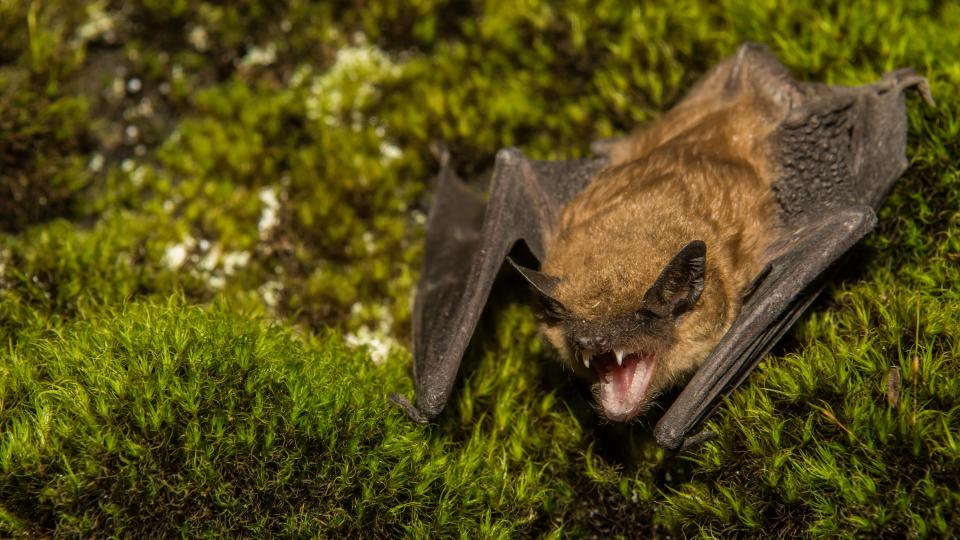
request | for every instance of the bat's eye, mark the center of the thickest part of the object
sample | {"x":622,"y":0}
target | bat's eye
{"x":551,"y":309}
{"x":645,"y":314}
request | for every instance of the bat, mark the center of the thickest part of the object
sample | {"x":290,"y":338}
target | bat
{"x":689,"y":246}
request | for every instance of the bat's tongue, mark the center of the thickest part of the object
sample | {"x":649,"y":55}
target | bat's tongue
{"x":623,"y":388}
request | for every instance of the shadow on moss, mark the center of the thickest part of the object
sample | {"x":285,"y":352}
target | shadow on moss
{"x":42,"y":165}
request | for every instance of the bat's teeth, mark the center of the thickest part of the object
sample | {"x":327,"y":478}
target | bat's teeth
{"x":619,"y":355}
{"x":585,"y":356}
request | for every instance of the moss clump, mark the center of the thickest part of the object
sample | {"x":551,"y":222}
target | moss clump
{"x":41,"y":164}
{"x":819,"y":445}
{"x":174,"y":174}
{"x":44,"y":130}
{"x":175,"y":419}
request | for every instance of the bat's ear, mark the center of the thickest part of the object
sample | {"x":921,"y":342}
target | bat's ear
{"x":681,"y":282}
{"x":546,"y":286}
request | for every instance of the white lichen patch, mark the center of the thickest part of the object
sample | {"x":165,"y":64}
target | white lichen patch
{"x":350,"y":84}
{"x":96,"y":162}
{"x":270,"y":292}
{"x":390,"y":151}
{"x":377,"y":344}
{"x":199,"y":38}
{"x":210,"y":260}
{"x":207,"y":260}
{"x":270,"y":214}
{"x":259,"y":56}
{"x":138,"y":175}
{"x":235,"y":260}
{"x":174,"y":256}
{"x":376,"y":339}
{"x":368,"y":243}
{"x":134,"y":85}
{"x":300,"y":76}
{"x":419,"y":217}
{"x":100,"y":25}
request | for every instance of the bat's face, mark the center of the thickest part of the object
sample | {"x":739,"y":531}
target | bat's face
{"x":623,"y":357}
{"x":632,"y":352}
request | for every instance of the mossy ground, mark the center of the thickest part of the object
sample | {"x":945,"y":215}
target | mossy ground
{"x":211,"y":220}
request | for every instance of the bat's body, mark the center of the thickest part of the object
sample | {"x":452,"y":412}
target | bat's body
{"x":696,"y":241}
{"x":617,"y":236}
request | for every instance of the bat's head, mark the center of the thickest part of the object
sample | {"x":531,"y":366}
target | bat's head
{"x":628,"y":336}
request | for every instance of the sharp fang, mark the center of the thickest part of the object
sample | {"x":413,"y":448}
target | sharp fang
{"x":585,"y":356}
{"x":619,"y":355}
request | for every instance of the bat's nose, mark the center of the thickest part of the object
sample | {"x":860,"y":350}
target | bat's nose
{"x":591,"y":342}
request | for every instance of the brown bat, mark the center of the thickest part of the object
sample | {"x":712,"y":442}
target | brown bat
{"x":692,"y":244}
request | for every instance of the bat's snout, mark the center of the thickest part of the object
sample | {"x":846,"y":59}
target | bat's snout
{"x":591,"y":342}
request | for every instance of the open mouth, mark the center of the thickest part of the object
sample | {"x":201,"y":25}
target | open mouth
{"x":623,"y":378}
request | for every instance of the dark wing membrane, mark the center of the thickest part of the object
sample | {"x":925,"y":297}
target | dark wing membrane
{"x":791,"y":283}
{"x":844,"y":146}
{"x":466,"y":245}
{"x":839,"y":151}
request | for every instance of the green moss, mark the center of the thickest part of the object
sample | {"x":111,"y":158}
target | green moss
{"x":42,"y":168}
{"x":172,"y":418}
{"x":173,"y":173}
{"x":45,"y":130}
{"x":817,"y":444}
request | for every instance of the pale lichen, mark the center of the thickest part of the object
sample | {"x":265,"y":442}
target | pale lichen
{"x":259,"y":56}
{"x":270,"y":213}
{"x":199,"y":38}
{"x":175,"y":255}
{"x":100,"y":24}
{"x":351,"y":83}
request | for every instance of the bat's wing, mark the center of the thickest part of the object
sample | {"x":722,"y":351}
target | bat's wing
{"x":467,"y":242}
{"x":783,"y":293}
{"x":839,"y":150}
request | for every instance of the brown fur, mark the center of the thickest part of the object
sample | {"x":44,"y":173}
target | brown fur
{"x":703,"y":172}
